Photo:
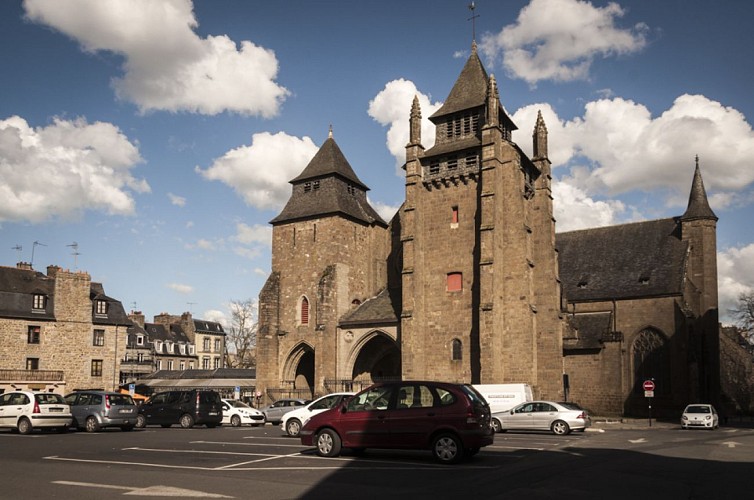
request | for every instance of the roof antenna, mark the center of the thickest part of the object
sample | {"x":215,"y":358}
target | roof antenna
{"x":473,"y":17}
{"x":33,"y":247}
{"x":18,"y":249}
{"x":75,"y":254}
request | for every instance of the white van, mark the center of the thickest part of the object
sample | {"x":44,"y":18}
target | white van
{"x":503,"y":397}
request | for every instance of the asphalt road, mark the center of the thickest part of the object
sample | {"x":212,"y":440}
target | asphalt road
{"x":260,"y":463}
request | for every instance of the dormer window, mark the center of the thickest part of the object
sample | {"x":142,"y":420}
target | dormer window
{"x":158,"y":346}
{"x":100,"y":307}
{"x":140,"y":340}
{"x":39,"y":302}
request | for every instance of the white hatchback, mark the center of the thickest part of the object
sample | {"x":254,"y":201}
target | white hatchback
{"x":25,"y":411}
{"x":700,"y":416}
{"x":294,"y":420}
{"x":237,"y":413}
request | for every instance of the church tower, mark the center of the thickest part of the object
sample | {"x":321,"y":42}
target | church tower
{"x":329,"y":249}
{"x":473,"y":290}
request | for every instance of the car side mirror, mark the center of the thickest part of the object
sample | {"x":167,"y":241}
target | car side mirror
{"x":511,"y":412}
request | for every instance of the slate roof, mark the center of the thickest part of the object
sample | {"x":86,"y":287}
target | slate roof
{"x":18,"y":287}
{"x":339,"y":191}
{"x":204,"y":326}
{"x":698,"y":207}
{"x":158,"y":331}
{"x":622,"y":262}
{"x":381,"y":309}
{"x":589,"y":330}
{"x":17,"y":290}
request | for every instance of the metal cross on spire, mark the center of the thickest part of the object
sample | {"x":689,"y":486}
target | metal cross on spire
{"x":473,"y":17}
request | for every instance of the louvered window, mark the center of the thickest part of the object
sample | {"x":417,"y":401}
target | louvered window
{"x":304,"y":311}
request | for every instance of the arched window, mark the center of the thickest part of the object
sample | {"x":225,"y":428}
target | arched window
{"x":651,"y":359}
{"x":456,"y":350}
{"x":304,"y":311}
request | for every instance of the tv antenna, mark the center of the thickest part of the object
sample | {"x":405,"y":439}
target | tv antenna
{"x":75,"y":254}
{"x":33,"y":247}
{"x":191,"y":305}
{"x":18,"y":249}
{"x":473,"y":17}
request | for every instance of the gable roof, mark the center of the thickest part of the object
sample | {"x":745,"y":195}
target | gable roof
{"x":470,"y":89}
{"x":329,"y":160}
{"x":621,"y":262}
{"x":381,"y":309}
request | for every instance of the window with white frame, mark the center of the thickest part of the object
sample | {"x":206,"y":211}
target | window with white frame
{"x":100,"y":307}
{"x":39,"y":302}
{"x":98,"y":337}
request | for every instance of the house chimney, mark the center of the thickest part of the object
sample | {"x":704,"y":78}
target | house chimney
{"x":24,"y":265}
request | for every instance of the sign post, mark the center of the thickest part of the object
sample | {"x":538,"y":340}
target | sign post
{"x":649,"y":392}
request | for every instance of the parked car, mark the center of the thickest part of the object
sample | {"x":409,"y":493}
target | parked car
{"x":559,"y":418}
{"x":187,"y":408}
{"x":274,"y":412}
{"x":294,"y":420}
{"x":93,"y":410}
{"x":700,"y":416}
{"x":451,"y":420}
{"x":25,"y":411}
{"x":237,"y":413}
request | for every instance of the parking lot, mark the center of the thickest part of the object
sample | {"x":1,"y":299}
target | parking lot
{"x":236,"y":462}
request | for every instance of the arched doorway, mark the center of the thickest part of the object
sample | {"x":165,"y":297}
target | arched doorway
{"x":378,"y":357}
{"x":299,"y":371}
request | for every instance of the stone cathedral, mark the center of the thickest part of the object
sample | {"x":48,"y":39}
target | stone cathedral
{"x":470,"y":282}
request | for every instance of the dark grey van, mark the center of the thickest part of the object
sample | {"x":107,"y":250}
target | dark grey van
{"x":187,"y":408}
{"x":93,"y":410}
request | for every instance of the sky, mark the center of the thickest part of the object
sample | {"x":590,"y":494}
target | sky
{"x":149,"y":143}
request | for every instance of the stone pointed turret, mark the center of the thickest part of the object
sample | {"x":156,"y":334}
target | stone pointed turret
{"x":470,"y":89}
{"x":540,"y":137}
{"x":493,"y":103}
{"x":415,"y":124}
{"x":698,"y":207}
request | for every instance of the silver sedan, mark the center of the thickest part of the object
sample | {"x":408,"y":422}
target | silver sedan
{"x":559,"y":418}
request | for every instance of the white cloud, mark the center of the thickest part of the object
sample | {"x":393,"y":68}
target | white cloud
{"x":258,"y":233}
{"x":735,"y":274}
{"x":260,"y":173}
{"x":176,"y":200}
{"x":261,"y":272}
{"x":392,"y":108}
{"x":64,"y":169}
{"x":386,"y":211}
{"x":216,"y":316}
{"x":180,"y":288}
{"x":167,"y":65}
{"x":559,"y":39}
{"x":573,"y":209}
{"x":617,"y":147}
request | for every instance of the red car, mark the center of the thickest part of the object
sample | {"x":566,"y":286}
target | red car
{"x":451,"y":420}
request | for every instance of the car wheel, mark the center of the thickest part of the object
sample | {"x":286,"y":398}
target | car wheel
{"x":187,"y":421}
{"x":24,"y":426}
{"x":293,"y":427}
{"x":495,"y":424}
{"x":91,"y":424}
{"x":235,"y":421}
{"x":328,"y":443}
{"x":127,"y":428}
{"x":560,"y":428}
{"x":447,"y":448}
{"x":141,"y":422}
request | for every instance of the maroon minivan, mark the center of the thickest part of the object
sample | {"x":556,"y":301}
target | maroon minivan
{"x":451,"y":420}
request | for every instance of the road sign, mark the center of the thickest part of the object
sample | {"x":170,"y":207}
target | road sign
{"x":649,"y":385}
{"x":649,"y":394}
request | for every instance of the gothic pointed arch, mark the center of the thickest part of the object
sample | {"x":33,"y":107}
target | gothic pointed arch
{"x":651,"y":360}
{"x":298,"y":369}
{"x":303,"y":309}
{"x":375,"y":357}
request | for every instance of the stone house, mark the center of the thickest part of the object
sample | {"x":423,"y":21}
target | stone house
{"x":470,"y":282}
{"x":58,"y":331}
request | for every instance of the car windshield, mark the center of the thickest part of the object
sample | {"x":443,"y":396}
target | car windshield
{"x":697,"y":409}
{"x":49,"y":399}
{"x":237,"y":404}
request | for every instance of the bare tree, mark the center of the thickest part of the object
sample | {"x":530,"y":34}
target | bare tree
{"x":744,"y":314}
{"x":241,"y":338}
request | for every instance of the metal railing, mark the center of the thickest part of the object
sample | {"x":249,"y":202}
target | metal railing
{"x":32,"y":375}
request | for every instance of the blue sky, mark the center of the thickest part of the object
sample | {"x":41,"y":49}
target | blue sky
{"x":159,"y":136}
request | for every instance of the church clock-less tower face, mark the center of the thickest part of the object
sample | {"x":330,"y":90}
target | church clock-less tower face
{"x":469,"y":284}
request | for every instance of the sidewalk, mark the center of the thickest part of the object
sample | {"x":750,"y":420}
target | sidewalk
{"x":602,"y":424}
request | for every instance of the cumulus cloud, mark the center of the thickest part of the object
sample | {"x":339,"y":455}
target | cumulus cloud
{"x":167,"y":66}
{"x":559,"y":39}
{"x":216,"y":316}
{"x":181,"y":288}
{"x":64,"y":169}
{"x":386,"y":211}
{"x":176,"y":200}
{"x":617,"y":147}
{"x":260,"y":173}
{"x":251,"y":241}
{"x":735,"y":270}
{"x":392,"y":107}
